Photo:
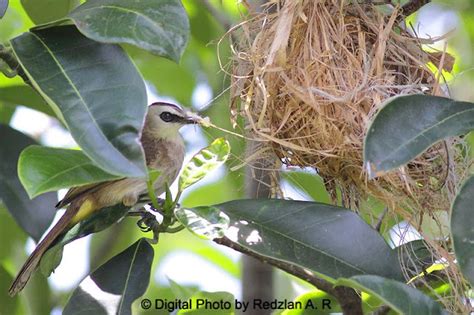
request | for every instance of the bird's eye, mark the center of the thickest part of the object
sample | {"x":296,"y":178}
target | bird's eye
{"x":166,"y":117}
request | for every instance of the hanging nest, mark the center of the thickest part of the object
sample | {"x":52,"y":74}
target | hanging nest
{"x":309,"y":77}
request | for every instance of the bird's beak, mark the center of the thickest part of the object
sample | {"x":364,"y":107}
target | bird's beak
{"x":192,"y":118}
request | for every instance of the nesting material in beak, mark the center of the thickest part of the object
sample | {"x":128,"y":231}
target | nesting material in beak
{"x":193,"y":118}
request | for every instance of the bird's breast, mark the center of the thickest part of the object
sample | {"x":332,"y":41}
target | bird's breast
{"x":164,"y":155}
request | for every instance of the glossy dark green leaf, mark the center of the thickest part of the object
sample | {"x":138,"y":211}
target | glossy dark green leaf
{"x":112,"y":288}
{"x":462,"y":231}
{"x":328,"y":240}
{"x":96,"y":222}
{"x":26,"y":96}
{"x":407,"y":125}
{"x":8,"y":304}
{"x":3,"y":7}
{"x":95,"y":89}
{"x":223,"y":304}
{"x":399,"y":296}
{"x":159,"y":26}
{"x":34,"y":216}
{"x":43,"y":169}
{"x":45,"y":11}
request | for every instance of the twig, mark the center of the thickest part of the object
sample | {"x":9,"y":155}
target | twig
{"x":7,"y":56}
{"x":348,"y":298}
{"x":380,"y":220}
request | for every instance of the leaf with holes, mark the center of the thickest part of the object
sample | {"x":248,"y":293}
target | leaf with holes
{"x":328,"y":240}
{"x":94,"y":89}
{"x":204,"y":162}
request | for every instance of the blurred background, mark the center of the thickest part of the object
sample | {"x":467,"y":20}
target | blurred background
{"x":199,"y":82}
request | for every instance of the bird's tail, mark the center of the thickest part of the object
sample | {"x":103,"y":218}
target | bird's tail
{"x":34,"y":259}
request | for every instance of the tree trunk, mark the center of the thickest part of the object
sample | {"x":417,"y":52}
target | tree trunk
{"x":257,"y":278}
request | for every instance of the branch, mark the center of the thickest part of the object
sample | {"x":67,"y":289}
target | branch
{"x":348,"y":298}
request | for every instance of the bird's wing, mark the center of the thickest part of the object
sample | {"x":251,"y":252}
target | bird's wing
{"x":79,"y":191}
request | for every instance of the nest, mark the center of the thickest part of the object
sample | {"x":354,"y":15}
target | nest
{"x":309,"y":77}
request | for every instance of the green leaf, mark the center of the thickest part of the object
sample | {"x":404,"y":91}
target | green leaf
{"x":112,"y":288}
{"x":218,"y":303}
{"x":26,"y":96}
{"x":407,"y":125}
{"x":3,"y":7}
{"x":206,"y":222}
{"x":34,"y":216}
{"x":9,"y":304}
{"x":43,"y":169}
{"x":329,"y":240}
{"x":399,"y":296}
{"x":312,"y":185}
{"x":45,"y":11}
{"x":96,"y":222}
{"x":159,"y":26}
{"x":204,"y":162}
{"x":462,"y":231}
{"x":95,"y":89}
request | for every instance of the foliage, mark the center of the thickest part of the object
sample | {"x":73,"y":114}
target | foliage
{"x":84,"y":64}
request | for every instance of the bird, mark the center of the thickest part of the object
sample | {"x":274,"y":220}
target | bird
{"x":164,"y":151}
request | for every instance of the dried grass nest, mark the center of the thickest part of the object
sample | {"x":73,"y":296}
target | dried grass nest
{"x":309,"y":76}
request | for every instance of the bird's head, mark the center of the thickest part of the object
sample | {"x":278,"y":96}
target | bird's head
{"x":165,"y":119}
